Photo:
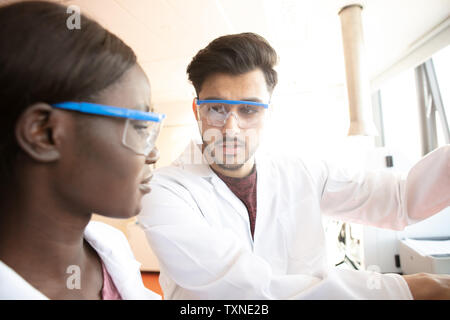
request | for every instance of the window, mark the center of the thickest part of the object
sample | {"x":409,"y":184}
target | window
{"x":401,"y":103}
{"x":441,"y":61}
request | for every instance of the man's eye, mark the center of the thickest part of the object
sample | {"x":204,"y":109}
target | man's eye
{"x":217,"y":108}
{"x":248,"y":110}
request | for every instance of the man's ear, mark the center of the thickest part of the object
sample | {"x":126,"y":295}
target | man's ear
{"x":35,"y":132}
{"x":194,"y":109}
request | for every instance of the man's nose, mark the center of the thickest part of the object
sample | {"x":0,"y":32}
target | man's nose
{"x":231,"y":123}
{"x":153,"y":156}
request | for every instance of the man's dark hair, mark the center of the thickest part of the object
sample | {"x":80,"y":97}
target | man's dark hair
{"x":41,"y":60}
{"x":234,"y":54}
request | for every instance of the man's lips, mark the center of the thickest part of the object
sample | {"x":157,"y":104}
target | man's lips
{"x":230,"y":148}
{"x":225,"y":147}
{"x":230,"y":144}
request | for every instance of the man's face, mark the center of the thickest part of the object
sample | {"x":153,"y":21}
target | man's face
{"x":231,"y":147}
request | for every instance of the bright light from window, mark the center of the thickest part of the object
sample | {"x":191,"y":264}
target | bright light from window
{"x":308,"y":122}
{"x":401,"y":119}
{"x":441,"y":61}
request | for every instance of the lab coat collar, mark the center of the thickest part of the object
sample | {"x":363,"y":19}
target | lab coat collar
{"x":112,"y":247}
{"x":111,"y":259}
{"x":193,"y":160}
{"x":203,"y":170}
{"x":118,"y":260}
{"x":14,"y":287}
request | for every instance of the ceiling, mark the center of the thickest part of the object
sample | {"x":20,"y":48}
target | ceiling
{"x":166,"y":34}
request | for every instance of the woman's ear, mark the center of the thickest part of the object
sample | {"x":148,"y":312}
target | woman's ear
{"x":35,"y":132}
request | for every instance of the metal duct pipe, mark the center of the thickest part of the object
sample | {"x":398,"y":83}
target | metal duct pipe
{"x":358,"y":85}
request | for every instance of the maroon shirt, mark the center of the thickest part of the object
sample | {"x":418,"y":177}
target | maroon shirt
{"x":245,"y":189}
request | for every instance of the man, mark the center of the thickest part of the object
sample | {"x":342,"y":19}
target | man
{"x":227,"y":222}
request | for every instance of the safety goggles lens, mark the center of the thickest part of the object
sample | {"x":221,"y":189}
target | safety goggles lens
{"x":140,"y":135}
{"x":216,"y":114}
{"x":141,"y":127}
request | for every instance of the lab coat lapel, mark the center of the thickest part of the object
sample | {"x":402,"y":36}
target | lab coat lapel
{"x":204,"y":170}
{"x":14,"y":287}
{"x":264,"y":193}
{"x":230,"y":197}
{"x":123,"y":269}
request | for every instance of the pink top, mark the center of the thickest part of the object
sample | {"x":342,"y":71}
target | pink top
{"x":109,"y":290}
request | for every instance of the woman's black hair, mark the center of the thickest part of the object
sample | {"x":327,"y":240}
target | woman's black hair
{"x":43,"y":60}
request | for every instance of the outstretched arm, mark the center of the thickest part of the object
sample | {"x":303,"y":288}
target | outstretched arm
{"x":425,"y":286}
{"x":384,"y":199}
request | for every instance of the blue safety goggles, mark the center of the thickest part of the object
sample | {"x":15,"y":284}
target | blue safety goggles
{"x":103,"y":110}
{"x":233,"y":102}
{"x":141,"y":128}
{"x":249,"y":114}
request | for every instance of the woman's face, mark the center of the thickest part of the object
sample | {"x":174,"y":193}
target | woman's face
{"x":99,"y":174}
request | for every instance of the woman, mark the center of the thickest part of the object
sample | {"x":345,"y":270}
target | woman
{"x":76,"y":138}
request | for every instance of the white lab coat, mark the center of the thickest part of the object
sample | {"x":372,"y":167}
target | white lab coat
{"x":114,"y":250}
{"x":200,"y":231}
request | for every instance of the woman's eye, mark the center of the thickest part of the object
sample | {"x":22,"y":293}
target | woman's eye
{"x":140,"y":128}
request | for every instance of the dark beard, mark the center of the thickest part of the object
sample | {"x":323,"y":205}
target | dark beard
{"x":230,"y":167}
{"x":221,"y":160}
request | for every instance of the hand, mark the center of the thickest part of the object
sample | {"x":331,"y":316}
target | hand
{"x":427,"y":286}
